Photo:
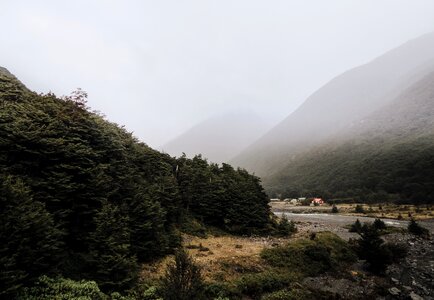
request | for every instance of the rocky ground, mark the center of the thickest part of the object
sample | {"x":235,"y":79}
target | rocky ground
{"x":226,"y":257}
{"x":412,"y":278}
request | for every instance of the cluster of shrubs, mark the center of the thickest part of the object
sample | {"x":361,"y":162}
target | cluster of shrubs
{"x":285,"y":227}
{"x":372,"y":248}
{"x":416,"y":229}
{"x":182,"y":281}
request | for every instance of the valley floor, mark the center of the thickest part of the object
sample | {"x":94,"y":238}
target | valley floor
{"x":226,"y":258}
{"x":388,"y":211}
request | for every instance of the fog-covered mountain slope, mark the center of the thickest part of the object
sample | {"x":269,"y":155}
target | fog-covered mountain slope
{"x":389,"y":154}
{"x":339,"y":104}
{"x":220,"y":138}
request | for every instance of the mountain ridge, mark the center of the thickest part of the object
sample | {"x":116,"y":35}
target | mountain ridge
{"x":218,"y":138}
{"x":387,"y":155}
{"x":348,"y":97}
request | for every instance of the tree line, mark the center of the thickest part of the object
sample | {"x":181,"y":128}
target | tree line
{"x":82,"y":198}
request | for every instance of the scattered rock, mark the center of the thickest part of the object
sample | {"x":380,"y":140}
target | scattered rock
{"x":394,"y":291}
{"x":395,"y":281}
{"x":414,"y":296}
{"x":407,"y":288}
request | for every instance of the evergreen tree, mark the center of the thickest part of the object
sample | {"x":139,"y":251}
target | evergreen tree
{"x":149,"y":238}
{"x":183,"y":279}
{"x":356,"y":227}
{"x":370,"y":247}
{"x":335,"y":209}
{"x":379,"y":224}
{"x":115,"y":267}
{"x":29,"y":241}
{"x":416,"y":229}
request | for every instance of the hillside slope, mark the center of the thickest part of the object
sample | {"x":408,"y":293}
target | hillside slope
{"x":387,"y":154}
{"x":81,"y":198}
{"x":337,"y":105}
{"x":219,"y":138}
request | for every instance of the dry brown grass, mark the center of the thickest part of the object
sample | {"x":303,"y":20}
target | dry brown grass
{"x":226,"y":259}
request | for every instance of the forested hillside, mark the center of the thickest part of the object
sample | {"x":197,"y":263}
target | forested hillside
{"x":388,"y":155}
{"x":80,"y":197}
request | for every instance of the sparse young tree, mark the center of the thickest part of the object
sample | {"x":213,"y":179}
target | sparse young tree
{"x":356,"y":227}
{"x":335,"y":209}
{"x":379,"y":224}
{"x":359,"y":209}
{"x":183,"y":279}
{"x":416,"y":229}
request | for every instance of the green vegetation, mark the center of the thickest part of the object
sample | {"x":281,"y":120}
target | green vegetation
{"x":183,"y":280}
{"x":379,"y":224}
{"x":374,"y":250}
{"x":46,"y":288}
{"x":387,"y":157}
{"x":416,"y":229}
{"x":81,"y":198}
{"x":222,"y":196}
{"x":255,"y":285}
{"x":311,"y":257}
{"x":285,"y":227}
{"x":356,"y":226}
{"x":359,"y":209}
{"x":286,"y":265}
{"x":335,"y":209}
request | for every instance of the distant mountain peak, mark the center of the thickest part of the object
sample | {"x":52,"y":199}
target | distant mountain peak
{"x":219,"y":138}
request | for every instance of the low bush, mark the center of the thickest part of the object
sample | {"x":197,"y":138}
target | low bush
{"x":183,"y":279}
{"x":397,"y":251}
{"x":311,"y":257}
{"x":255,"y":285}
{"x":221,"y":290}
{"x":377,"y":254}
{"x":416,"y":229}
{"x":46,"y":288}
{"x":285,"y":227}
{"x":356,"y":226}
{"x":194,"y":227}
{"x":359,"y":209}
{"x":286,"y":294}
{"x":379,"y":224}
{"x":335,"y":209}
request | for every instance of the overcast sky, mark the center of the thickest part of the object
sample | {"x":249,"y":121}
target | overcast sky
{"x":159,"y":67}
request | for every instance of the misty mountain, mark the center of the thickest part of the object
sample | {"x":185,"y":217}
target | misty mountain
{"x":220,"y":138}
{"x":390,"y":152}
{"x":341,"y":103}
